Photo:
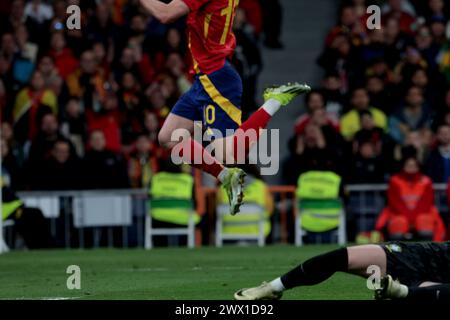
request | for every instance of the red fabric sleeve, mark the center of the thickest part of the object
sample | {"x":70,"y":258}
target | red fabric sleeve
{"x":426,"y":202}
{"x":382,"y":219}
{"x":194,"y":5}
{"x":439,"y":230}
{"x":395,"y":201}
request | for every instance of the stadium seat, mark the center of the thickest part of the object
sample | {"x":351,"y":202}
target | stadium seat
{"x":300,"y":231}
{"x":318,"y":207}
{"x":244,"y":219}
{"x":171,"y":204}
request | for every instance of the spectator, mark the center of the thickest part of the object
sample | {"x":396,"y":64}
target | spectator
{"x":178,"y":70}
{"x":62,"y":55}
{"x":395,"y":41}
{"x":247,"y":60}
{"x":351,"y":121}
{"x":414,"y":115}
{"x":130,"y":106}
{"x":442,"y":110}
{"x":27,"y":49}
{"x":421,"y":80}
{"x":342,"y":57}
{"x":427,"y":47}
{"x":367,"y":165}
{"x":401,"y":10}
{"x":348,"y":21}
{"x":435,"y":8}
{"x":412,"y":60}
{"x":30,"y":105}
{"x":7,"y":134}
{"x":371,"y":133}
{"x":438,"y":164}
{"x":410,"y":213}
{"x":74,"y":125}
{"x":273,"y":17}
{"x":14,"y":19}
{"x":128,"y":64}
{"x":108,"y":120}
{"x":88,"y":81}
{"x":10,"y":168}
{"x":41,"y":147}
{"x":38,"y":15}
{"x":61,"y":171}
{"x":38,"y":11}
{"x":157,"y":101}
{"x":142,"y":163}
{"x":379,"y":93}
{"x":48,"y":70}
{"x":151,"y":126}
{"x":314,"y":101}
{"x":102,"y":168}
{"x":101,"y":27}
{"x":307,"y":152}
{"x":253,"y":13}
{"x":416,"y":145}
{"x":333,"y":94}
{"x":438,"y":30}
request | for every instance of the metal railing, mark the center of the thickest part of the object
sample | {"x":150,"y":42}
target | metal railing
{"x":59,"y":207}
{"x":365,"y":202}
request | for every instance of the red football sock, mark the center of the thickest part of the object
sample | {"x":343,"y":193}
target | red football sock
{"x":199,"y":158}
{"x":248,"y":133}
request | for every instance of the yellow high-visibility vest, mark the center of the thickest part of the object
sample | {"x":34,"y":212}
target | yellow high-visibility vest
{"x":9,"y":208}
{"x":171,"y":198}
{"x":247,"y":223}
{"x":319,"y":203}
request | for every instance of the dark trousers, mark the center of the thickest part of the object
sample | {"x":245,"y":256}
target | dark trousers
{"x":34,"y":228}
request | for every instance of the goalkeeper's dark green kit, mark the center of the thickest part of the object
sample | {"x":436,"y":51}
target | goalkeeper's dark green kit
{"x":414,"y":263}
{"x":410,"y":263}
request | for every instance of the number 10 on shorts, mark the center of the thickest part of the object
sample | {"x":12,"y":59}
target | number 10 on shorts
{"x":209,"y":114}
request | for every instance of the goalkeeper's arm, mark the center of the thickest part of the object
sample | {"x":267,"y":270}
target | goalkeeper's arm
{"x":166,"y":12}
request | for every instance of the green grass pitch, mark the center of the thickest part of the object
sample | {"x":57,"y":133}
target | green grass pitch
{"x":205,"y":273}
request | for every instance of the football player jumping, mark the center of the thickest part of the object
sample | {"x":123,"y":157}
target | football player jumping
{"x":215,"y":96}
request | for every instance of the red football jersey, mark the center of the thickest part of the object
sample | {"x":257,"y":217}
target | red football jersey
{"x":210,"y":36}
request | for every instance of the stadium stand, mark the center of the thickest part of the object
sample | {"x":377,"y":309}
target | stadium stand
{"x":81,"y":110}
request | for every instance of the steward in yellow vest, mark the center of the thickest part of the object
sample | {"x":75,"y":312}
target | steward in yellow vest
{"x":247,"y":223}
{"x":10,"y":204}
{"x":172,"y":198}
{"x":319,"y":200}
{"x":30,"y":223}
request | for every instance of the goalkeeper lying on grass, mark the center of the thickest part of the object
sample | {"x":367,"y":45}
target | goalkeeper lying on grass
{"x":420,"y":270}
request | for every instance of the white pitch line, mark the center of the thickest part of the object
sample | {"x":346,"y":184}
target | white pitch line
{"x":44,"y":298}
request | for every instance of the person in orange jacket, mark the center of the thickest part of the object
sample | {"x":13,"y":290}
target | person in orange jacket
{"x":411,"y":212}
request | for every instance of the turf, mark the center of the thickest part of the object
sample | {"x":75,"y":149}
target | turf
{"x":206,"y":273}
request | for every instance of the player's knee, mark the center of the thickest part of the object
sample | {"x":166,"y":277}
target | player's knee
{"x":164,"y":139}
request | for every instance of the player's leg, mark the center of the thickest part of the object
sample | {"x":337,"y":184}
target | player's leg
{"x":172,"y":123}
{"x":429,"y":291}
{"x":393,"y":289}
{"x":354,"y":260}
{"x":234,"y":149}
{"x":188,"y":146}
{"x":176,"y":134}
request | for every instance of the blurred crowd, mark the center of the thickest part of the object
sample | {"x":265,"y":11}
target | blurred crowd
{"x":384,"y":97}
{"x":82,"y":108}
